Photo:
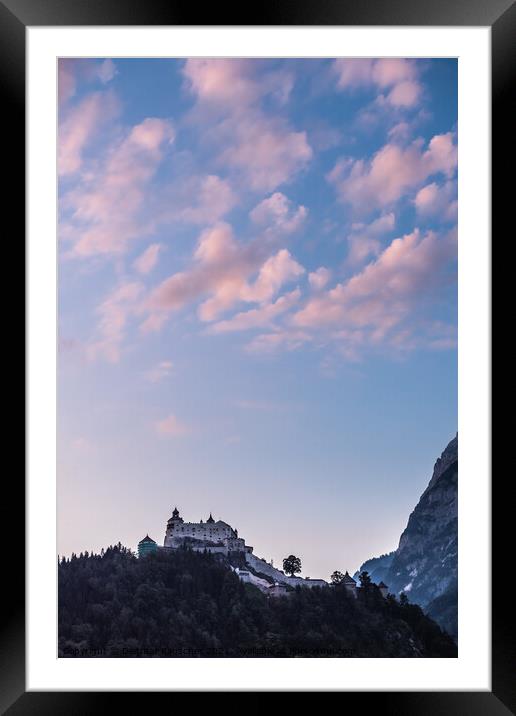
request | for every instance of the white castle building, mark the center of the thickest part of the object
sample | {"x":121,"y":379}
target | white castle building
{"x":213,"y":536}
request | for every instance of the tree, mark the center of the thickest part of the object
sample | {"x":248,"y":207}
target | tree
{"x":365,"y":580}
{"x":404,"y":600}
{"x":337,"y":577}
{"x":291,"y":565}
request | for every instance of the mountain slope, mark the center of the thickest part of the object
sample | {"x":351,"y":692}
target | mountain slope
{"x":425,"y":564}
{"x":377,"y":568}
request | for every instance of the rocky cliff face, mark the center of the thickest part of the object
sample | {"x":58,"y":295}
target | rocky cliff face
{"x":377,"y":568}
{"x":425,"y":564}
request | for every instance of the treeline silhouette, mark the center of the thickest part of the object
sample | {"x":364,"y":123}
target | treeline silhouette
{"x":185,"y":603}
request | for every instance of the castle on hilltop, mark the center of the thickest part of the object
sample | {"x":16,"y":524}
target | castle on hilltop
{"x":213,"y":536}
{"x":219,"y":537}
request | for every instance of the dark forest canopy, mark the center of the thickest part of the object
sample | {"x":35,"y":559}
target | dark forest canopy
{"x":191,"y":604}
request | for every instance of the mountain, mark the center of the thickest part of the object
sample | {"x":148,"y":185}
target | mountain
{"x":425,"y":564}
{"x":181,"y":603}
{"x":376,"y":567}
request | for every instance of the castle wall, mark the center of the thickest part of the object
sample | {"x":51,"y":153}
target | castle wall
{"x":251,"y":578}
{"x":260,"y":565}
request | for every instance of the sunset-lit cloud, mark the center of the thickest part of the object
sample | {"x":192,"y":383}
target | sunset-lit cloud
{"x":260,"y":147}
{"x":171,"y":426}
{"x":105,"y":207}
{"x":393,"y":172}
{"x":277,"y":213}
{"x":148,"y":259}
{"x":397,"y":79}
{"x":159,"y":372}
{"x":434,"y":199}
{"x":364,"y":240}
{"x":221,"y":274}
{"x":78,"y":128}
{"x":114,"y":313}
{"x":387,"y":291}
{"x":319,"y":278}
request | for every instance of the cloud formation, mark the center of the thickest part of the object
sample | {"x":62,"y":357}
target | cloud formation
{"x":213,"y":209}
{"x":365,"y":239}
{"x":438,"y":200}
{"x":221,"y":274}
{"x":396,"y":78}
{"x":258,"y":146}
{"x":378,"y":299}
{"x":319,"y":278}
{"x":277,"y":214}
{"x":258,"y":317}
{"x":79,"y":126}
{"x":148,"y":259}
{"x":104,"y":210}
{"x":159,"y":372}
{"x":171,"y":426}
{"x":114,"y":313}
{"x":392,"y":173}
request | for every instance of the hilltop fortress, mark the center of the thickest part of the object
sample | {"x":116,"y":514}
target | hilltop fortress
{"x":214,"y":536}
{"x":220,"y":538}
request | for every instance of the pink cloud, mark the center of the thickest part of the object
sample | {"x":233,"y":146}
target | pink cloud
{"x":105,"y":206}
{"x":171,"y":426}
{"x":438,"y":200}
{"x":288,"y":339}
{"x":273,"y":274}
{"x":72,"y":70}
{"x":398,"y":76}
{"x":213,"y":199}
{"x":259,"y":147}
{"x":159,"y":372}
{"x":393,"y":172}
{"x":148,"y":259}
{"x":387,"y":291}
{"x":66,"y":80}
{"x":405,"y":94}
{"x":265,"y":151}
{"x":319,"y":278}
{"x":391,"y":71}
{"x":114,"y":312}
{"x":353,"y":72}
{"x":107,"y":71}
{"x":221,"y":273}
{"x":222,"y":80}
{"x":364,"y":239}
{"x":258,"y":317}
{"x":79,"y":126}
{"x":277,"y":213}
{"x":221,"y":267}
{"x":238,"y":83}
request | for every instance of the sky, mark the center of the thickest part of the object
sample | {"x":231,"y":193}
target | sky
{"x":257,"y":299}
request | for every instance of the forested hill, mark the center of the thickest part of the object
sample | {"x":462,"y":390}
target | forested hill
{"x":191,"y":604}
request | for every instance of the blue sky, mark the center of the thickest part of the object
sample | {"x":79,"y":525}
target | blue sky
{"x":257,"y":299}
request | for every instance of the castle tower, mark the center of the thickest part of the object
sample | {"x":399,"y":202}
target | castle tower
{"x":146,"y":546}
{"x":172,"y":525}
{"x":210,"y":519}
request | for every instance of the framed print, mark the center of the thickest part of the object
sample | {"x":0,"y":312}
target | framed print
{"x":259,"y":325}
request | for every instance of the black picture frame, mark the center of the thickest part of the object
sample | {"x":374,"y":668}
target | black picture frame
{"x":15,"y":17}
